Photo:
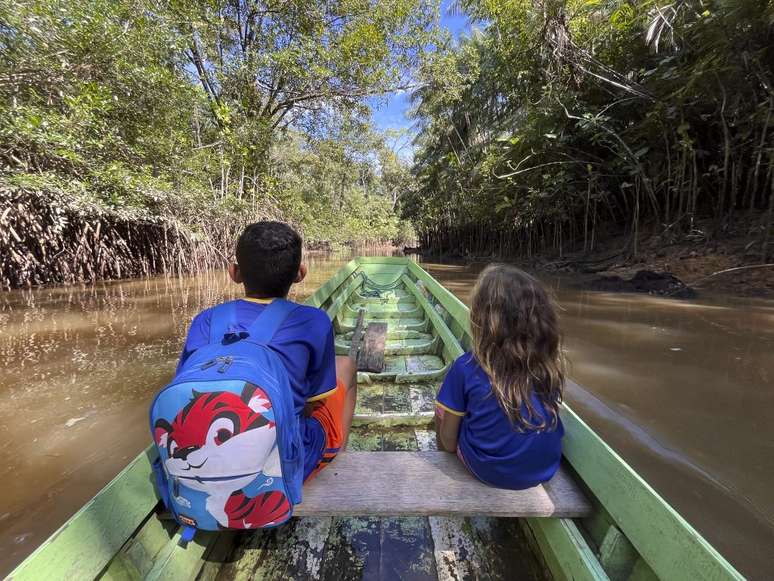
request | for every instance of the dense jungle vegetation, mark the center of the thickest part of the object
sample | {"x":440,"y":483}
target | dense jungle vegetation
{"x":137,"y":136}
{"x":559,"y":122}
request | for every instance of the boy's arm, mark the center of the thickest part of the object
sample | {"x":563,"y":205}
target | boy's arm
{"x":321,"y":375}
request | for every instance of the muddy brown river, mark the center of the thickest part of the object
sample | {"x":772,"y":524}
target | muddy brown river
{"x":683,"y":390}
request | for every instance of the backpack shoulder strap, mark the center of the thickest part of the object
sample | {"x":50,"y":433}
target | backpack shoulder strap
{"x":268,"y":322}
{"x":222,"y":319}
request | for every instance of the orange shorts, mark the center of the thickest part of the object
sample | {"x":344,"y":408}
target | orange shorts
{"x":330,"y":413}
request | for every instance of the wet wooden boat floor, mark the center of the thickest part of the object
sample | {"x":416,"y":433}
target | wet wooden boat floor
{"x":340,"y":549}
{"x":409,"y":548}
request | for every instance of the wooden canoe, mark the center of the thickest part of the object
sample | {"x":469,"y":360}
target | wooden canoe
{"x":629,"y":531}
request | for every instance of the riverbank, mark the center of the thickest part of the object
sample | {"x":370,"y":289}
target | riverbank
{"x":729,"y":266}
{"x":49,"y":237}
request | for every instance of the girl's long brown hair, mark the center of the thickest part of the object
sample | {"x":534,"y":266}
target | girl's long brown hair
{"x":517,"y":342}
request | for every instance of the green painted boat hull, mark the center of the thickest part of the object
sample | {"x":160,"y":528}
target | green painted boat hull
{"x":632,"y":534}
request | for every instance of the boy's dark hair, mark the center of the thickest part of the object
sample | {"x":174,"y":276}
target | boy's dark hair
{"x":269,"y":254}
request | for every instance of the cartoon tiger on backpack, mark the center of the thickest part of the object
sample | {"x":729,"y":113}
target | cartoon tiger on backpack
{"x":223,"y":445}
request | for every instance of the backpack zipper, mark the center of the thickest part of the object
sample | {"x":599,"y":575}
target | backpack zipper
{"x":226,"y":363}
{"x":210,"y":363}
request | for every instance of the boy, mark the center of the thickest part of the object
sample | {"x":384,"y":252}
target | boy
{"x":268,"y":263}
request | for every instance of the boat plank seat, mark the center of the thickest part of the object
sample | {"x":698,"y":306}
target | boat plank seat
{"x":429,"y":483}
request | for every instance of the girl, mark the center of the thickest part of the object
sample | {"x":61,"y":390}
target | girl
{"x":498,"y":407}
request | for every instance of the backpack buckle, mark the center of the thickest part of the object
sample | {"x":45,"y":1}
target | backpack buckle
{"x":187,"y":535}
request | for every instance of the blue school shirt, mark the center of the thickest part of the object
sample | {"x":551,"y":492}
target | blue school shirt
{"x":305,"y":344}
{"x":494,"y":450}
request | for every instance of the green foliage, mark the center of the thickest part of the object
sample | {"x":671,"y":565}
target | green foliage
{"x":560,"y":118}
{"x":184,"y":109}
{"x":76,"y":104}
{"x":342,"y":188}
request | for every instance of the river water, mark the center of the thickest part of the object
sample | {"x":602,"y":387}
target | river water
{"x":683,"y":390}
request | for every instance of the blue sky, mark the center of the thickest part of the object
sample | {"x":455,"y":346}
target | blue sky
{"x":391,"y":114}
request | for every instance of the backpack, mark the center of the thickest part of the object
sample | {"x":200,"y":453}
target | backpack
{"x":228,"y":440}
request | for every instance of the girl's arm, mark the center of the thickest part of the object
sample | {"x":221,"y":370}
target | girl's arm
{"x":447,"y":429}
{"x":450,"y":407}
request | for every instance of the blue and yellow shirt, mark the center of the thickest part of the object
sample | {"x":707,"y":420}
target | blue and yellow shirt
{"x":305,"y":344}
{"x":494,"y":450}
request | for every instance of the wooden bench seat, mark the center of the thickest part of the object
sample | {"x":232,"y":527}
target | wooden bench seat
{"x":429,"y":483}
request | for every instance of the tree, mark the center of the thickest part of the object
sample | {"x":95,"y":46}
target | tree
{"x":156,"y":105}
{"x":559,"y":117}
{"x":271,"y":65}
